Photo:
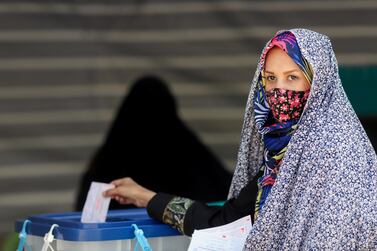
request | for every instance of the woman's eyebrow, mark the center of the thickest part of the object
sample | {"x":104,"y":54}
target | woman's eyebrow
{"x":290,"y":71}
{"x":271,"y":72}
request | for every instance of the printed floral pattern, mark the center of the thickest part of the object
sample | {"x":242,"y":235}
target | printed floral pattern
{"x":286,"y":104}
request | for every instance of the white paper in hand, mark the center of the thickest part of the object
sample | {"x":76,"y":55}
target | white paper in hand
{"x":96,"y":205}
{"x":229,"y":237}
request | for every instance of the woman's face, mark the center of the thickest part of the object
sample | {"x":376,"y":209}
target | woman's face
{"x":282,"y":72}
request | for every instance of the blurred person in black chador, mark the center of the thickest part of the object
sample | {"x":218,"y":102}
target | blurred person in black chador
{"x":149,"y":142}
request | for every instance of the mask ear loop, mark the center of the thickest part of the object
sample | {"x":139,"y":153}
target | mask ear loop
{"x":23,"y":236}
{"x":49,"y":237}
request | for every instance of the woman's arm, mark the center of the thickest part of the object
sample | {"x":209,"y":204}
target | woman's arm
{"x":187,"y":215}
{"x":183,"y":213}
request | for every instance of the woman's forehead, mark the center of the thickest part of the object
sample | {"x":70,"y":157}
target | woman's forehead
{"x":279,"y":60}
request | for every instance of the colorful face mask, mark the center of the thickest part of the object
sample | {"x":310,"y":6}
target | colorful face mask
{"x":286,"y":104}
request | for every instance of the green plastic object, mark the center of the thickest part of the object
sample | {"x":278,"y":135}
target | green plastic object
{"x":216,"y":203}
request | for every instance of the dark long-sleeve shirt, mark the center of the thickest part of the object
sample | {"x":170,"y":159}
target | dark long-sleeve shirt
{"x":187,"y":215}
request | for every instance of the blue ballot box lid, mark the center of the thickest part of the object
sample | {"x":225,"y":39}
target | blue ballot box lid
{"x":117,"y":226}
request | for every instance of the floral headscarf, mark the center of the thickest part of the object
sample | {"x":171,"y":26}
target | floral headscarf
{"x":277,"y":113}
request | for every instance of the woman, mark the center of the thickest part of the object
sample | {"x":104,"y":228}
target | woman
{"x":306,"y":169}
{"x":148,"y":139}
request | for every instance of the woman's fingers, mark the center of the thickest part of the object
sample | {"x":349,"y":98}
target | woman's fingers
{"x":127,"y":191}
{"x":125,"y":201}
{"x":116,"y":182}
{"x":113,"y":192}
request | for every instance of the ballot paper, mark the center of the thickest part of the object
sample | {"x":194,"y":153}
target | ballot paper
{"x":96,"y":205}
{"x":229,"y":237}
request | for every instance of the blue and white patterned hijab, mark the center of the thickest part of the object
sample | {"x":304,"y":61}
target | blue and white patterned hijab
{"x":325,"y":196}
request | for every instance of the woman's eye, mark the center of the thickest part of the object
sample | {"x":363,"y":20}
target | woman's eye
{"x":270,"y":78}
{"x":292,"y":77}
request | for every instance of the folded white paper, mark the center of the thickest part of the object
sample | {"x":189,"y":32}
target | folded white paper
{"x":96,"y":205}
{"x":229,"y":237}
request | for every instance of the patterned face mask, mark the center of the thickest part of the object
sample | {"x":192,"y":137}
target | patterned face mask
{"x":286,"y":104}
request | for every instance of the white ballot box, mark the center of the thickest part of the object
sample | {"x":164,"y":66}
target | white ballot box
{"x":116,"y":234}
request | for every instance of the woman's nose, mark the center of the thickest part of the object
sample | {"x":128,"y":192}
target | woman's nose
{"x":280,"y":84}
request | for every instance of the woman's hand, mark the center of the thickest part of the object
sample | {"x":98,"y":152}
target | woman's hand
{"x":127,"y":191}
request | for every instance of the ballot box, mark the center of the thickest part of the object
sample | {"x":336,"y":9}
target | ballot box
{"x":116,"y":234}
